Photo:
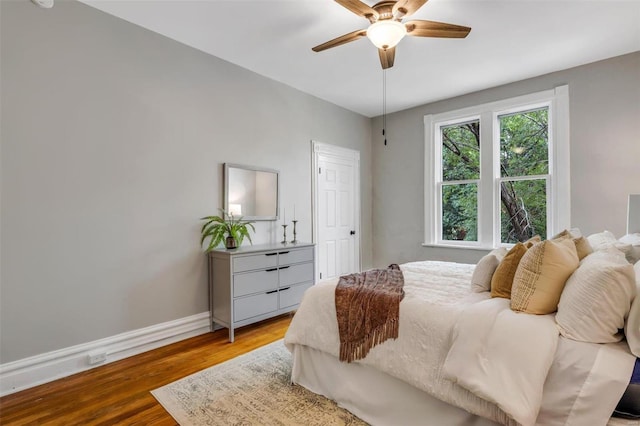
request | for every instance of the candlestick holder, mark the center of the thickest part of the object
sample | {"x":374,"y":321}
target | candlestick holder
{"x":284,"y":234}
{"x":294,"y":232}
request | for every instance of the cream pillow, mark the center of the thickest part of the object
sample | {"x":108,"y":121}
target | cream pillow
{"x":502,"y":279}
{"x":601,"y":240}
{"x":541,"y":276}
{"x":597,"y":298}
{"x":575,"y":232}
{"x":483,"y":272}
{"x":633,"y":255}
{"x":500,"y":253}
{"x":632,"y":325}
{"x":605,"y":240}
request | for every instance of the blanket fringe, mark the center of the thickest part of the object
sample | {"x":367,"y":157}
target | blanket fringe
{"x":352,"y":351}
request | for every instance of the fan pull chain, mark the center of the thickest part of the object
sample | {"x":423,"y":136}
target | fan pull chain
{"x":384,"y":105}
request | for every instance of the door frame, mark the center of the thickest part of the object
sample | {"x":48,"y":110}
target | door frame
{"x":320,"y":151}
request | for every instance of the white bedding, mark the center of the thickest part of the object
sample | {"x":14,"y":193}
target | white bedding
{"x":436,"y":294}
{"x":503,"y":356}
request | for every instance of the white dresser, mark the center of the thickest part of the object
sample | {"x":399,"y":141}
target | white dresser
{"x":253,"y":283}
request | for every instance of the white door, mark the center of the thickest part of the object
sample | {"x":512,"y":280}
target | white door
{"x":336,"y":211}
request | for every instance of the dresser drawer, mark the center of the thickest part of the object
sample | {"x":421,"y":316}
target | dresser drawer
{"x":252,"y":306}
{"x":295,"y":274}
{"x":287,"y":257}
{"x":255,"y":261}
{"x":293,"y":295}
{"x":255,"y":282}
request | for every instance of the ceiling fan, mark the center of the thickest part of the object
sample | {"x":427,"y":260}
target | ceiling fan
{"x":386,"y":29}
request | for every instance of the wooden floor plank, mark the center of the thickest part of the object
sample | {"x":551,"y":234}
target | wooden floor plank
{"x":119,"y":393}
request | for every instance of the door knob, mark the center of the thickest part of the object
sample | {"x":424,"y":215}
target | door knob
{"x":352,"y":232}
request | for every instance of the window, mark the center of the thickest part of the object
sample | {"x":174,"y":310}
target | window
{"x":498,"y":173}
{"x":458,"y":186}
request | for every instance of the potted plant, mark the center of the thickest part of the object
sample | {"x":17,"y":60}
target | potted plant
{"x":225,"y":227}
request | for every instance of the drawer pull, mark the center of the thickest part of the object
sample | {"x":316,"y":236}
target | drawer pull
{"x":286,"y":288}
{"x":272,"y":291}
{"x":285,"y":267}
{"x":283,"y":252}
{"x":271,"y":269}
{"x":270,"y":254}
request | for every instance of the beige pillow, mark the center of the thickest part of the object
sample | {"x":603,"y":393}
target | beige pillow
{"x":583,"y":248}
{"x":597,"y":299}
{"x":541,"y":276}
{"x":503,"y":276}
{"x":563,"y":235}
{"x":582,"y":244}
{"x":531,"y":241}
{"x":483,"y":272}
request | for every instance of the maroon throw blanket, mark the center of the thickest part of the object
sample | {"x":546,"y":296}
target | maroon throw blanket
{"x":368,"y":309}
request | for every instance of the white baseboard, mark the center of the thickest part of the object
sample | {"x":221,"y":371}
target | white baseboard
{"x":36,"y":370}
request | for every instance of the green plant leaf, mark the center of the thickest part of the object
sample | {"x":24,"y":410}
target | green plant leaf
{"x":217,"y":228}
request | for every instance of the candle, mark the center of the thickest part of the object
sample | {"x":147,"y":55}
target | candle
{"x":284,"y":215}
{"x":294,"y":212}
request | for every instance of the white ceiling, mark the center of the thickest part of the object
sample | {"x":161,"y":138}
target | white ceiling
{"x":510,"y":40}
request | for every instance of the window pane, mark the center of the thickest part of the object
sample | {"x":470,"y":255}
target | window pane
{"x":524,"y":210}
{"x":460,"y":212}
{"x":524,"y":143}
{"x":461,"y":151}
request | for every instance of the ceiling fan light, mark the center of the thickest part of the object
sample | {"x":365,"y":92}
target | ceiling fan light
{"x":386,"y":34}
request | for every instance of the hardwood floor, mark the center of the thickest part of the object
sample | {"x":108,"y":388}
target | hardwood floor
{"x":118,"y":393}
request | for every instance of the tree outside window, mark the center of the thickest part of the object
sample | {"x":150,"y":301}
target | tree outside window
{"x":460,"y":177}
{"x":524,"y":172}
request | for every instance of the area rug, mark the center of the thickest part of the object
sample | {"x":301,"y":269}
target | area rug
{"x":252,"y":389}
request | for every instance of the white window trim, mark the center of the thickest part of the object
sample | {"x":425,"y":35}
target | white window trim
{"x":559,"y":211}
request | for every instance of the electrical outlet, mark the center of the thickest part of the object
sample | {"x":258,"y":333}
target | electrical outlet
{"x":97,"y":357}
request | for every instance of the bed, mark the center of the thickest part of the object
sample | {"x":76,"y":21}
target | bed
{"x":429,"y":375}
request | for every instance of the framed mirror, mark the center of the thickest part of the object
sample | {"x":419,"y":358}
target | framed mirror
{"x":251,"y":192}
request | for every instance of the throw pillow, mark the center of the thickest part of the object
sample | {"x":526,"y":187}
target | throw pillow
{"x":633,"y":255}
{"x":500,"y":253}
{"x":541,"y":276}
{"x":601,"y":240}
{"x":582,"y":244}
{"x":531,"y":241}
{"x":597,"y":298}
{"x":583,"y":248}
{"x":503,"y":276}
{"x":605,"y":240}
{"x":483,"y":272}
{"x":565,"y":234}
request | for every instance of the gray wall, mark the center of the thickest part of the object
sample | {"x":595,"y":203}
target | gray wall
{"x":113,"y":139}
{"x":605,"y":157}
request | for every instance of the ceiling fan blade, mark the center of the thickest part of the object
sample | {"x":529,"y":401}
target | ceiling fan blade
{"x":406,"y":7}
{"x":420,"y":28}
{"x":387,"y":56}
{"x":360,"y":9}
{"x":352,"y":36}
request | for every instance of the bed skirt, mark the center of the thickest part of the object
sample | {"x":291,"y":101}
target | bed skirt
{"x":380,"y":399}
{"x":373,"y":396}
